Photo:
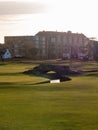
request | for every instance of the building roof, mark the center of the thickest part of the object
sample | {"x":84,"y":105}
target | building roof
{"x":54,"y":33}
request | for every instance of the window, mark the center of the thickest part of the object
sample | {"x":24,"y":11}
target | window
{"x":58,"y":39}
{"x":36,"y":38}
{"x":43,"y":39}
{"x":53,"y":39}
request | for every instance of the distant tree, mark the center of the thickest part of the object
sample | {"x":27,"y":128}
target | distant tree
{"x":33,"y":52}
{"x":1,"y":54}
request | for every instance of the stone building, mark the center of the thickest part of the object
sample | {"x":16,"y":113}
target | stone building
{"x":26,"y":46}
{"x":94,"y":49}
{"x":1,"y":46}
{"x":65,"y":44}
{"x":49,"y":45}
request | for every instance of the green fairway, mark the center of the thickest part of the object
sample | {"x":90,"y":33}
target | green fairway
{"x":28,"y":104}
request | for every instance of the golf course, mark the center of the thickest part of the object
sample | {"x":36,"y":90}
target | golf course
{"x":31,"y":102}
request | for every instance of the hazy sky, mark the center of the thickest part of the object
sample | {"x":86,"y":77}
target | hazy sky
{"x":27,"y":17}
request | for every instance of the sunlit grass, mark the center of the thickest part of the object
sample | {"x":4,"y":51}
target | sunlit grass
{"x":26,"y":105}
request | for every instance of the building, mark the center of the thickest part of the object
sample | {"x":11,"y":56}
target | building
{"x":64,"y":44}
{"x":50,"y":45}
{"x":26,"y":46}
{"x":95,"y":50}
{"x":1,"y":46}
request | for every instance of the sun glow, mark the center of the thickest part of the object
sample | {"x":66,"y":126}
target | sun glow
{"x":62,"y":15}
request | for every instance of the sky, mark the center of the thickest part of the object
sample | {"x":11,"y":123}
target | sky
{"x":28,"y":17}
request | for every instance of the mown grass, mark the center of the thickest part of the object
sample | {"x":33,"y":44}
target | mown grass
{"x":28,"y":104}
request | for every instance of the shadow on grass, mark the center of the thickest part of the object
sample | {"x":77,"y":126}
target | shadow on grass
{"x":10,"y":74}
{"x":30,"y":87}
{"x":44,"y":82}
{"x":2,"y":64}
{"x":8,"y":85}
{"x":92,"y":74}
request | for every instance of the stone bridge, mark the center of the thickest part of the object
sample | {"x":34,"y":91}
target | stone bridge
{"x":60,"y":71}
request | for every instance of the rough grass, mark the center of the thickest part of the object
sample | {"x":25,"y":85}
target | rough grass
{"x":28,"y":104}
